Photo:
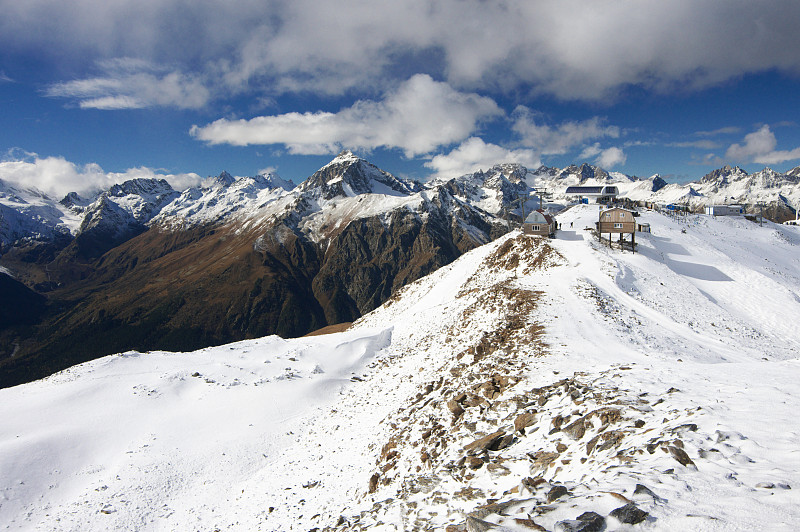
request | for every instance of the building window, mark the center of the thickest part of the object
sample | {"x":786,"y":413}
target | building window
{"x":534,"y":228}
{"x":617,"y":225}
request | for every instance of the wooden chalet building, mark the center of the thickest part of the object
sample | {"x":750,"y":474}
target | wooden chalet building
{"x":539,"y":223}
{"x":617,"y":221}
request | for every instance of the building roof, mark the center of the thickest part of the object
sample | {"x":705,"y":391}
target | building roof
{"x":539,"y":217}
{"x":605,"y":190}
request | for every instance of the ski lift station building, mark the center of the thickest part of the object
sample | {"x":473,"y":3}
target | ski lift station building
{"x":724,"y":210}
{"x":538,"y":223}
{"x":600,"y":194}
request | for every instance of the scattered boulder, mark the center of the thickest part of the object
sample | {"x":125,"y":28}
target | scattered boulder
{"x":610,"y":439}
{"x":530,"y":524}
{"x":556,"y":492}
{"x":473,"y":462}
{"x":609,"y":415}
{"x":486,"y":442}
{"x":455,"y":408}
{"x":478,"y":525}
{"x":575,"y":430}
{"x":524,"y":420}
{"x":543,"y":459}
{"x":498,"y":508}
{"x":586,"y":522}
{"x":644,"y":490}
{"x":373,"y":482}
{"x":686,"y":427}
{"x":681,"y":456}
{"x":629,"y":514}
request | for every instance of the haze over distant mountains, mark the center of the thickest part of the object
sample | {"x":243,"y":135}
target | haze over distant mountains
{"x":143,"y":266}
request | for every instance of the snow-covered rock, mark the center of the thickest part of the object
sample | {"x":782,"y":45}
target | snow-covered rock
{"x":29,"y":214}
{"x":531,"y":383}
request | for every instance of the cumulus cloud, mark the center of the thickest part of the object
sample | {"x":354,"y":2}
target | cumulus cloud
{"x":759,"y":147}
{"x":590,"y":151}
{"x":418,"y":117}
{"x":611,"y":157}
{"x":474,"y":154}
{"x":549,"y":140}
{"x":134,"y":84}
{"x":756,"y":144}
{"x":605,"y":158}
{"x":556,"y":48}
{"x":56,"y":176}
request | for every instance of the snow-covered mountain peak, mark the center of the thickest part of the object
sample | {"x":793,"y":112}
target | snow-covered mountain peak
{"x":27,"y":213}
{"x":223,"y":180}
{"x":273,"y":180}
{"x":585,"y":171}
{"x":75,"y":202}
{"x":143,"y":187}
{"x":724,"y":175}
{"x":348,"y":175}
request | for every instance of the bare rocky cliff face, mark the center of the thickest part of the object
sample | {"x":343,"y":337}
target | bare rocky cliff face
{"x":128,"y":282}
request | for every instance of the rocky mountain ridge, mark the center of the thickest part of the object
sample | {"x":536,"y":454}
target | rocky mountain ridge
{"x":151,"y":268}
{"x":144,"y":266}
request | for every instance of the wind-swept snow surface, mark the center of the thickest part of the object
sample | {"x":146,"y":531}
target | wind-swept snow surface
{"x":532,"y":383}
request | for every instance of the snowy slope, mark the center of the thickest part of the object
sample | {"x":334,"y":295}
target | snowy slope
{"x":492,"y":191}
{"x":225,"y":197}
{"x":674,"y":369}
{"x":29,"y":213}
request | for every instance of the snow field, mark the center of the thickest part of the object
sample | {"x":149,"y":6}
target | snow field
{"x":691,"y":339}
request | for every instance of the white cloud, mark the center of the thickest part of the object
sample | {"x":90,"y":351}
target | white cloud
{"x":759,"y":147}
{"x":590,"y":151}
{"x":549,"y":140}
{"x":729,"y":130}
{"x":56,"y":176}
{"x":779,"y":156}
{"x":756,"y":144}
{"x":134,"y":84}
{"x":704,"y":144}
{"x":611,"y":157}
{"x":418,"y":117}
{"x":556,"y":48}
{"x":604,"y":158}
{"x":474,"y":154}
{"x":267,"y":170}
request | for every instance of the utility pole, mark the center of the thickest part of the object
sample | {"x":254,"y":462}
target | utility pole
{"x":521,"y":200}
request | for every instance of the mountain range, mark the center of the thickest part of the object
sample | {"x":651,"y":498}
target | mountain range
{"x":143,"y":266}
{"x":531,"y":384}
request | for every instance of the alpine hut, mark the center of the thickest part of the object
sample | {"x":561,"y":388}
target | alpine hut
{"x":539,"y":223}
{"x":617,"y":221}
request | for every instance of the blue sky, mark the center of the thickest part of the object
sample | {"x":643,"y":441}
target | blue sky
{"x":94,"y":92}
